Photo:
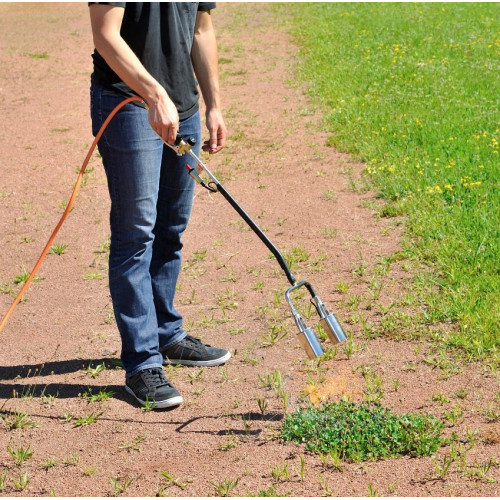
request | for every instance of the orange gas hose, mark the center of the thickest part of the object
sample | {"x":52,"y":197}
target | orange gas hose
{"x":68,"y":208}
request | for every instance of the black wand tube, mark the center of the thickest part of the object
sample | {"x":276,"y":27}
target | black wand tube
{"x":258,"y":231}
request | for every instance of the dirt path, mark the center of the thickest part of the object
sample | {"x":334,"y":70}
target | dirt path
{"x":308,"y":198}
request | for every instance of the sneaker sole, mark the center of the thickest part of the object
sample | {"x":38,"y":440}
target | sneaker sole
{"x":188,"y":362}
{"x":167,"y":403}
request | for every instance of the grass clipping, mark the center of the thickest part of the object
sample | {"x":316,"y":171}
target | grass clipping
{"x":360,"y":432}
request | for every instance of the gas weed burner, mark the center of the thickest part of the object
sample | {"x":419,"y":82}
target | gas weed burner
{"x":328,"y":321}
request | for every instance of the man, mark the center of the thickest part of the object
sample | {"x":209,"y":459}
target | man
{"x":153,"y":50}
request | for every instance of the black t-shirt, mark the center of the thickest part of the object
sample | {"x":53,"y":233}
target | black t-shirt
{"x":161,"y":35}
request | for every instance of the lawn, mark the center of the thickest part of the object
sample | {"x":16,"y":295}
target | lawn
{"x":413,"y":91}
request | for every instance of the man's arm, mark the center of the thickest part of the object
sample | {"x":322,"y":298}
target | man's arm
{"x":106,"y":22}
{"x":205,"y":63}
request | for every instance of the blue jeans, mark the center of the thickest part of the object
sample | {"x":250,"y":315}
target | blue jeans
{"x":151,"y":199}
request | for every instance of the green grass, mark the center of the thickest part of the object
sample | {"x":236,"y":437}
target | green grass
{"x":39,"y":55}
{"x":360,"y":432}
{"x":86,"y":420}
{"x":95,"y":372}
{"x":119,"y":488}
{"x":19,"y":420}
{"x":21,"y":482}
{"x":102,"y":395}
{"x":224,"y":488}
{"x":58,"y":249}
{"x":21,"y":454}
{"x":171,"y":480}
{"x":22,"y":278}
{"x":412,"y":90}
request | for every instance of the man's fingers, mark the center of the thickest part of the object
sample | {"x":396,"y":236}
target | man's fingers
{"x":167,"y":133}
{"x":216,"y":141}
{"x":172,"y":134}
{"x":164,"y":119}
{"x":221,"y":139}
{"x":207,"y":147}
{"x":213,"y":138}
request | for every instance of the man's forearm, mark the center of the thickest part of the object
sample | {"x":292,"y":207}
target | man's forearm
{"x":127,"y":66}
{"x":106,"y":22}
{"x":204,"y":56}
{"x":116,"y":52}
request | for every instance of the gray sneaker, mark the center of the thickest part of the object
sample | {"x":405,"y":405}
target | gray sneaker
{"x":151,"y":386}
{"x":190,"y":351}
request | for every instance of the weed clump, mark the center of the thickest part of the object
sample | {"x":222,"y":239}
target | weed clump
{"x":360,"y":432}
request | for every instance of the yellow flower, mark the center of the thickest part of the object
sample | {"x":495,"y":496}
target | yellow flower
{"x":434,"y":189}
{"x":466,"y":182}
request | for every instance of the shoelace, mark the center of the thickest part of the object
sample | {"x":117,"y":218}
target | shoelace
{"x":195,"y":341}
{"x":155,"y":378}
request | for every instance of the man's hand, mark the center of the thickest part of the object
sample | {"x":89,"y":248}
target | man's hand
{"x":217,"y":130}
{"x":163,"y":118}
